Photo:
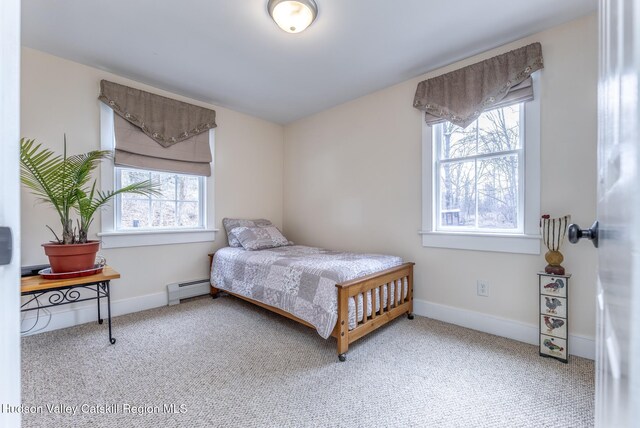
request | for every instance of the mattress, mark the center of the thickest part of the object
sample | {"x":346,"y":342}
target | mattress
{"x":301,"y":280}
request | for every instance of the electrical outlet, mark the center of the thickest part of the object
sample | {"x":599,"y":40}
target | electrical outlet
{"x":483,"y":288}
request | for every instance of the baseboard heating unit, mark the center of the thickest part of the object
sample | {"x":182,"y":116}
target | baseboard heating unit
{"x":184,"y":290}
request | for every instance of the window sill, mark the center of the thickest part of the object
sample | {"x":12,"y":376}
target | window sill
{"x":503,"y":243}
{"x":155,"y":237}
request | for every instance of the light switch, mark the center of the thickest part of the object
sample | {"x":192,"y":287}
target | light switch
{"x":6,"y":246}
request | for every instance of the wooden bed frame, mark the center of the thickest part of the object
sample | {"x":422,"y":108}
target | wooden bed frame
{"x":400,"y":305}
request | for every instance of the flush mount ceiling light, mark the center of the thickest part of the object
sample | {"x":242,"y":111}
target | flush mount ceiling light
{"x":293,"y":16}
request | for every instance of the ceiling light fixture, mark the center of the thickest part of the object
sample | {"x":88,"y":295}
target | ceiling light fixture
{"x":293,"y":16}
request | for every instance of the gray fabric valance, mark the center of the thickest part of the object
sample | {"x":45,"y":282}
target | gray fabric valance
{"x":462,"y":95}
{"x":520,"y":93}
{"x":135,"y":149}
{"x":163,"y":119}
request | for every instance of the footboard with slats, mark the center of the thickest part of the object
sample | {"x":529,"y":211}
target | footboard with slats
{"x":387,"y":288}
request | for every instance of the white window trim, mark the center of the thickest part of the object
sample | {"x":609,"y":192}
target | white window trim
{"x":117,"y":239}
{"x":527,"y":242}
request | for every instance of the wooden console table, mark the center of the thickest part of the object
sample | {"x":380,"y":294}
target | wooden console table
{"x":66,"y":291}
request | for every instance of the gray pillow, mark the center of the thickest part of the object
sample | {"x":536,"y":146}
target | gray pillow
{"x":231,"y":223}
{"x":259,"y":238}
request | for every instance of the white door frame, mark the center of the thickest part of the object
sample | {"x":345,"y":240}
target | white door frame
{"x":10,"y":208}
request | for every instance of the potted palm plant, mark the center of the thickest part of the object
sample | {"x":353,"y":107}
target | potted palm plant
{"x":64,"y":182}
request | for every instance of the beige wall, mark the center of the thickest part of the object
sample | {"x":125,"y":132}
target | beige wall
{"x":353,"y":181}
{"x":60,"y":96}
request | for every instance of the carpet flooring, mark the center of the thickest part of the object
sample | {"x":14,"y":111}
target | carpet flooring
{"x":226,"y":363}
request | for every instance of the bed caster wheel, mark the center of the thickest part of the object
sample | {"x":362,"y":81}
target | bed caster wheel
{"x":112,"y":341}
{"x":342,"y":357}
{"x":410,"y":316}
{"x":215,"y":296}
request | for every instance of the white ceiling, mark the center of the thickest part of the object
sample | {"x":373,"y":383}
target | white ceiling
{"x":230,"y":53}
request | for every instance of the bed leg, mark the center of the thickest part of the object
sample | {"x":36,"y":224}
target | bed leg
{"x":343,"y":341}
{"x":410,"y":294}
{"x":214,"y":292}
{"x":343,"y":323}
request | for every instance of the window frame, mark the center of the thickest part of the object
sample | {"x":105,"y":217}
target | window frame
{"x":438,"y":162}
{"x":202,"y":202}
{"x":113,"y":238}
{"x":527,"y":239}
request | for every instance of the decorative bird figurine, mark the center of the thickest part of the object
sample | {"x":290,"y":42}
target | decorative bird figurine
{"x":552,"y":304}
{"x":553,"y":323}
{"x":552,"y":346}
{"x":557,"y":284}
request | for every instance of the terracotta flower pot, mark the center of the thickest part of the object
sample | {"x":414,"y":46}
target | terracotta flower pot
{"x":72,"y":257}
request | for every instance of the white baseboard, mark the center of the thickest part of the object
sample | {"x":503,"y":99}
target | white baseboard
{"x":70,"y":315}
{"x":580,"y":346}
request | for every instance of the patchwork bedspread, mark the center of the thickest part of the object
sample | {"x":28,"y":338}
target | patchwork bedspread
{"x":297,"y":279}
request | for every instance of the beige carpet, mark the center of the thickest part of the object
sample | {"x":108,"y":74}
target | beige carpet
{"x":229,"y":363}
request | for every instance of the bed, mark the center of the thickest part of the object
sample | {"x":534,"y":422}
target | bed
{"x":339,"y":294}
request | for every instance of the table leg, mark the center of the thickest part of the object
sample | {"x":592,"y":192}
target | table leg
{"x":112,"y":340}
{"x":98,"y":299}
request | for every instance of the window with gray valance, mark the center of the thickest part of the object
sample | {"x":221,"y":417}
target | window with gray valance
{"x":462,"y":95}
{"x":153,"y":132}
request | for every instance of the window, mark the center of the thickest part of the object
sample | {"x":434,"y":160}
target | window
{"x":180,"y":204}
{"x":478,"y":180}
{"x":181,"y":214}
{"x":481,"y":184}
